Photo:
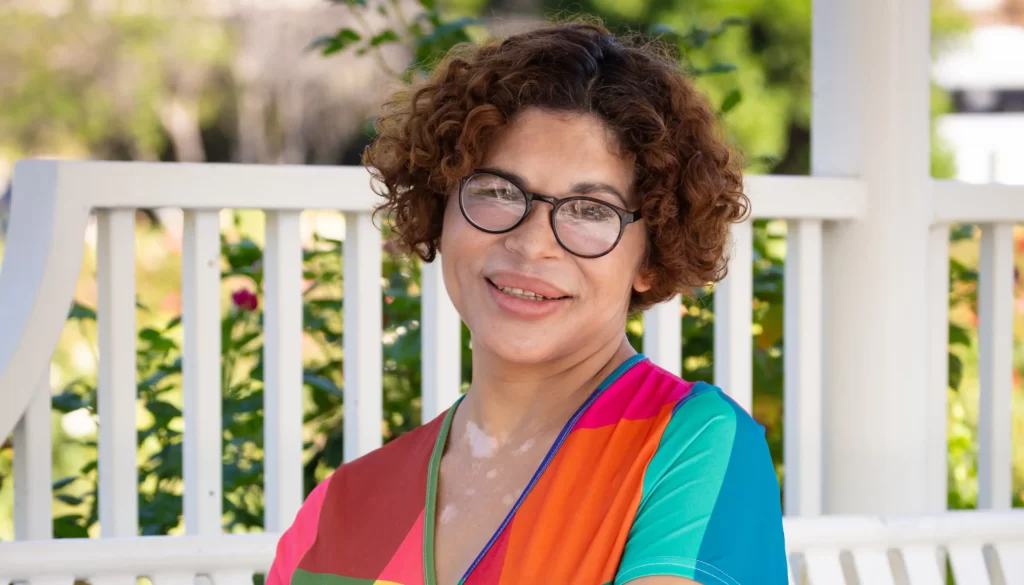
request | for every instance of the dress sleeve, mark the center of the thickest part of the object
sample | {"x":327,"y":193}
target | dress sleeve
{"x":298,"y":538}
{"x":710,"y":510}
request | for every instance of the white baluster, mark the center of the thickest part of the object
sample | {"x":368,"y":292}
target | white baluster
{"x":802,"y":363}
{"x":362,"y":343}
{"x":282,"y":369}
{"x":824,"y":567}
{"x":117,"y":390}
{"x":922,"y":564}
{"x":995,"y":366}
{"x":201,"y":372}
{"x":734,"y":321}
{"x":176,"y":578}
{"x":935,"y":409}
{"x":663,"y":335}
{"x":968,"y":562}
{"x":33,"y":462}
{"x":232,"y":578}
{"x":113,"y":579}
{"x":872,"y":566}
{"x":1011,"y":560}
{"x":441,"y":335}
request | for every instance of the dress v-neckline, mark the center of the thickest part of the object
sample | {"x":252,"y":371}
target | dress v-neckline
{"x":434,"y":471}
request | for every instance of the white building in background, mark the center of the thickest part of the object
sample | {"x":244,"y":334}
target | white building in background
{"x":985,"y":76}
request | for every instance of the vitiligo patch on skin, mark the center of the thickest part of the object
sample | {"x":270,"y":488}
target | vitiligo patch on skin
{"x":492,"y":474}
{"x":522,"y":449}
{"x":448,"y":514}
{"x":481,"y":445}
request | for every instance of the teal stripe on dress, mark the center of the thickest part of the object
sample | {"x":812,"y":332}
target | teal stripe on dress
{"x":709,"y":501}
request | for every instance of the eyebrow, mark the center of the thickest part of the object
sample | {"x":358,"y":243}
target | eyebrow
{"x":581,"y":188}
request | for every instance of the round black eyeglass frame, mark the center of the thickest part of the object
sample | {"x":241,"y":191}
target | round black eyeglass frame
{"x":626,"y":216}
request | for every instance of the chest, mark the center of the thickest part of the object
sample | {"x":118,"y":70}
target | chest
{"x":474,"y":497}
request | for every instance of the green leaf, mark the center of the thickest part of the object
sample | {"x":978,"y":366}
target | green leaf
{"x":383,"y":37}
{"x":70,"y":500}
{"x":69,"y":527}
{"x":959,"y":336}
{"x":68,"y":401}
{"x":82,"y":312}
{"x":329,"y":44}
{"x":716,"y":69}
{"x":956,"y":371}
{"x":321,"y":383}
{"x":732,"y":99}
{"x":63,"y":483}
{"x":162,"y":410}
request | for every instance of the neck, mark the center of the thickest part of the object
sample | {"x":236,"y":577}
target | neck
{"x":516,"y":400}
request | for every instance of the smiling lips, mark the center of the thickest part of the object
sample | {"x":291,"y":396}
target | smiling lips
{"x":525,"y":296}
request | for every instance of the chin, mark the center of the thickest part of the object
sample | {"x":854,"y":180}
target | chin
{"x":520,"y":348}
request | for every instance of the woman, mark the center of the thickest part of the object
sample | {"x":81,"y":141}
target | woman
{"x":567,"y":178}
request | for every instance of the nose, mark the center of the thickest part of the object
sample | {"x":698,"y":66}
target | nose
{"x":534,"y":239}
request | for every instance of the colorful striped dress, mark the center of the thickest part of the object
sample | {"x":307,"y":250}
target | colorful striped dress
{"x":651,"y":476}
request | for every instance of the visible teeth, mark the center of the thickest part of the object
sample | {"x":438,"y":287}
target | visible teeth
{"x":523,"y":294}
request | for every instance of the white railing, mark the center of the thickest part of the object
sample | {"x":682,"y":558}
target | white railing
{"x":52,"y":202}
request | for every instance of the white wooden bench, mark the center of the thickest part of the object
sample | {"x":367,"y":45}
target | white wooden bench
{"x":983,"y":548}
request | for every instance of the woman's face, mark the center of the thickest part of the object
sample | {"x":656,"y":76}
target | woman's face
{"x":559,"y":155}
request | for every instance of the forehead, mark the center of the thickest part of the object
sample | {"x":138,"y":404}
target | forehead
{"x":552,"y":151}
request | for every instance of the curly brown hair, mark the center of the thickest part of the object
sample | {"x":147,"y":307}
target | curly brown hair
{"x":688,"y":179}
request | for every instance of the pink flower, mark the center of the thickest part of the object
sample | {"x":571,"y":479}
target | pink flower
{"x":245,"y":299}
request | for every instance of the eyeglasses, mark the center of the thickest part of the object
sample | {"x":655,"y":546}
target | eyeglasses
{"x":584,"y":226}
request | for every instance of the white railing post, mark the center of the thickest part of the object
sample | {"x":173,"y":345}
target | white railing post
{"x":203,"y":453}
{"x":734,"y":299}
{"x":282,"y":370}
{"x":935,"y":409}
{"x":362,"y":341}
{"x":33,"y":462}
{"x":117,"y":388}
{"x":663,"y":335}
{"x":802,"y":368}
{"x":995,"y":366}
{"x":871,"y":67}
{"x":441,"y":343}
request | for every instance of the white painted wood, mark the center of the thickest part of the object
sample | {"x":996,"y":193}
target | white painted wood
{"x":441,"y":343}
{"x":802,"y":368}
{"x":282,"y":370}
{"x":1011,"y":560}
{"x":201,"y":372}
{"x":663,"y":335}
{"x":794,"y":197}
{"x":362,"y":343}
{"x":959,"y":202}
{"x":734,"y":297}
{"x":232,"y":578}
{"x":823,"y":567}
{"x":968,"y":563}
{"x":179,"y":577}
{"x":33,"y":462}
{"x":214,"y":186}
{"x":113,"y":579}
{"x":872,"y":566}
{"x":140,"y":555}
{"x":935,"y":408}
{"x":52,"y":579}
{"x":42,"y":260}
{"x":922,"y":565}
{"x":870,"y":119}
{"x":117,"y":384}
{"x":995,"y":366}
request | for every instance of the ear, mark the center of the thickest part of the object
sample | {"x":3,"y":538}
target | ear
{"x":642,"y":281}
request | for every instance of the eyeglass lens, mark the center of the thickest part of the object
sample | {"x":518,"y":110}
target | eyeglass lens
{"x":583,"y":227}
